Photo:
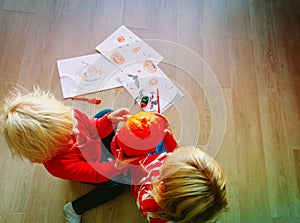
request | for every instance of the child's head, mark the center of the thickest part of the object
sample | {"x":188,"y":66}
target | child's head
{"x":141,"y":133}
{"x":36,"y":125}
{"x":191,"y":187}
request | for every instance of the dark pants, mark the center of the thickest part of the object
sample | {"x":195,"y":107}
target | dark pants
{"x":105,"y":191}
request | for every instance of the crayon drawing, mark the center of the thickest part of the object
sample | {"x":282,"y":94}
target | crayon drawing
{"x":144,"y":83}
{"x":125,"y":60}
{"x":86,"y":74}
{"x":124,"y":48}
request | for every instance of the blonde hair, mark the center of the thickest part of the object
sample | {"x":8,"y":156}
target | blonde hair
{"x":35,"y":124}
{"x":192,"y":187}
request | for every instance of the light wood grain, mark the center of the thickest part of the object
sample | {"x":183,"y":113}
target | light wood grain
{"x":25,"y":6}
{"x":273,"y":85}
{"x":138,"y":9}
{"x":249,"y":138}
{"x":251,"y":46}
{"x":297,"y":166}
{"x":230,"y":165}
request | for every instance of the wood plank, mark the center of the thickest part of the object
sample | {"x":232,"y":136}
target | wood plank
{"x":10,"y":188}
{"x":11,"y":217}
{"x":239,"y":25}
{"x":227,"y":159}
{"x":127,"y":211}
{"x":215,"y":46}
{"x":13,"y":27}
{"x":190,"y":25}
{"x":196,"y":115}
{"x":164,"y":15}
{"x":271,"y":85}
{"x":24,"y":6}
{"x":297,"y":167}
{"x":52,"y":197}
{"x":249,"y":138}
{"x":288,"y":43}
{"x":289,"y":55}
{"x":138,"y":14}
{"x":286,"y":220}
{"x":286,"y":19}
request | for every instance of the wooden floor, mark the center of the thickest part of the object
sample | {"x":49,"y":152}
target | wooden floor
{"x":251,"y":46}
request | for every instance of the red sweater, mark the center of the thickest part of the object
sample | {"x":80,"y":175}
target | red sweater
{"x":81,"y":161}
{"x":142,"y":193}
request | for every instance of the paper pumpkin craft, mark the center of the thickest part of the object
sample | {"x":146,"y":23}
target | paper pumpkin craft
{"x":141,"y":133}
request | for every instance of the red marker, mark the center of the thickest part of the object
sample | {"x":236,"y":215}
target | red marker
{"x":158,"y":104}
{"x":89,"y":100}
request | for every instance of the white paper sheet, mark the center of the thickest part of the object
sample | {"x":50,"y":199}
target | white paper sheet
{"x":86,"y":74}
{"x":139,"y":72}
{"x":144,"y":82}
{"x":124,"y":48}
{"x":125,"y":60}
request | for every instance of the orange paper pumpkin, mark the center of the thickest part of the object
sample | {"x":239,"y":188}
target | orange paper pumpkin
{"x":141,"y":133}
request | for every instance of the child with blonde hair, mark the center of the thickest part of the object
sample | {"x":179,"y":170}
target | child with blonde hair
{"x":68,"y":143}
{"x":184,"y":186}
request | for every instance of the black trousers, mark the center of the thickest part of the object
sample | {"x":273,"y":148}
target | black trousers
{"x":105,"y":191}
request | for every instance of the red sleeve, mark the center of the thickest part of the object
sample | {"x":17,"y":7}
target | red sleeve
{"x":146,"y":203}
{"x":170,"y":142}
{"x":93,"y":127}
{"x":79,"y":170}
{"x":104,"y":126}
{"x":114,"y":147}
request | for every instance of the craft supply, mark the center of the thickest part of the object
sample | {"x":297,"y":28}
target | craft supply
{"x":89,"y":100}
{"x":141,"y":133}
{"x":144,"y":101}
{"x":158,"y":103}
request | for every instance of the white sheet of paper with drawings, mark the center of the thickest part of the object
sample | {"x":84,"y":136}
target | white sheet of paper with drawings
{"x":143,"y":83}
{"x":124,"y":48}
{"x":86,"y":74}
{"x":125,"y":60}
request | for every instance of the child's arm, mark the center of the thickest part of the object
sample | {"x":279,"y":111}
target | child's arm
{"x":169,"y":141}
{"x":76,"y":169}
{"x":108,"y":122}
{"x":135,"y":167}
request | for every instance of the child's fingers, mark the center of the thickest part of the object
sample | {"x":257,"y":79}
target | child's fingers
{"x":168,"y":132}
{"x":120,"y":154}
{"x":126,"y":117}
{"x":133,"y":160}
{"x":121,"y":112}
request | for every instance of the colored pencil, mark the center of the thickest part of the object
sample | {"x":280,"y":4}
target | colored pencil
{"x":89,"y":100}
{"x":158,"y":103}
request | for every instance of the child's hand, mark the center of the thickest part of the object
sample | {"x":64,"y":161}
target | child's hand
{"x":122,"y":163}
{"x":120,"y":115}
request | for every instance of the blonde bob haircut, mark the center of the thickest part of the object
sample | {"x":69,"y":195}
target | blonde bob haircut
{"x":36,"y":125}
{"x":191,"y":187}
